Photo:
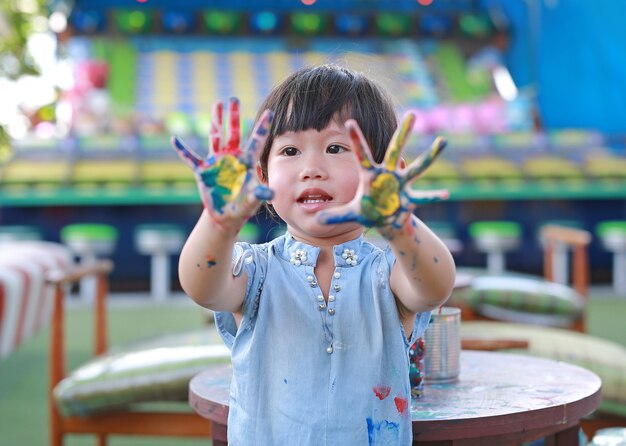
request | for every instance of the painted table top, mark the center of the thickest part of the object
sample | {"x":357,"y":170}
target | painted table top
{"x":497,"y":394}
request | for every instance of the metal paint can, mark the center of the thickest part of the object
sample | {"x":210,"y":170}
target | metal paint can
{"x":442,"y":361}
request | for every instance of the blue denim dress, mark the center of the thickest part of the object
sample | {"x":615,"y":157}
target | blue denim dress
{"x":307,"y":372}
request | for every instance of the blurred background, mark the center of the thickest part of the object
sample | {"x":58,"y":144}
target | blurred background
{"x":529,"y":93}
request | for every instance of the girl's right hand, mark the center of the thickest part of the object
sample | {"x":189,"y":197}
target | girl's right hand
{"x":227,"y":179}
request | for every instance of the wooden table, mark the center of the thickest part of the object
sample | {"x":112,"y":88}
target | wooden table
{"x":500,"y":398}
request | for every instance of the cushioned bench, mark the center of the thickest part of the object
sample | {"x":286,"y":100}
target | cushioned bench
{"x":157,"y":369}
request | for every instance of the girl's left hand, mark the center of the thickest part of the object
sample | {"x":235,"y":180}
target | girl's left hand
{"x":385,"y":197}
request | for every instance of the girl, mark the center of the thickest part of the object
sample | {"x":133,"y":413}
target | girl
{"x":319,"y":321}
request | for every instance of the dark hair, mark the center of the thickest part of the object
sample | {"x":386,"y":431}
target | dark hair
{"x":311,"y":97}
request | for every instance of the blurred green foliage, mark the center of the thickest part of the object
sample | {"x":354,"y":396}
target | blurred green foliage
{"x":18,"y":20}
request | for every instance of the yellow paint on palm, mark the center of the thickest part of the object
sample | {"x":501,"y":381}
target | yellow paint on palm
{"x":385,"y":194}
{"x":231,"y":175}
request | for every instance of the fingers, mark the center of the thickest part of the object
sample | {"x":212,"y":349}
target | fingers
{"x":185,"y":154}
{"x":361,"y":148}
{"x":217,"y":128}
{"x":418,"y":197}
{"x":421,"y":163}
{"x":398,"y":140}
{"x":256,"y":142}
{"x":263,"y":193}
{"x":234,"y":139}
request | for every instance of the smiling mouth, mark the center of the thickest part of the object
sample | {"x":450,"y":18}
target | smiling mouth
{"x":314,"y":199}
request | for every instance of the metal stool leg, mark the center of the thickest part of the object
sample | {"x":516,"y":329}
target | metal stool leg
{"x":160,"y":276}
{"x":619,"y":273}
{"x":496,"y":263}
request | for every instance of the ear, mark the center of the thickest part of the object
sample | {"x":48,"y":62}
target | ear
{"x":259,"y":174}
{"x":262,"y":179}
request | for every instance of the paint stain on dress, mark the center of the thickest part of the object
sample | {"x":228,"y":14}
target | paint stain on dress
{"x":401,"y":404}
{"x":382,"y":432}
{"x":382,"y":392}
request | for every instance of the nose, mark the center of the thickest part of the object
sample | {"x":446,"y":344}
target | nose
{"x":313,"y":168}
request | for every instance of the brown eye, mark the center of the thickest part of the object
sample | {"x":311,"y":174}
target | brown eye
{"x":290,"y":151}
{"x":334,"y":149}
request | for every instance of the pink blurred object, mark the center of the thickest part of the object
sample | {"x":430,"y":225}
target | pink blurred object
{"x":462,"y":119}
{"x":491,"y":117}
{"x":91,"y":75}
{"x":421,"y":125}
{"x":439,"y":119}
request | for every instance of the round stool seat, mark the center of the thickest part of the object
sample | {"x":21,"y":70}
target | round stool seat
{"x":495,"y":238}
{"x":159,"y":240}
{"x":90,"y":238}
{"x":612,"y":233}
{"x":495,"y":235}
{"x":164,"y":238}
{"x":19,"y":233}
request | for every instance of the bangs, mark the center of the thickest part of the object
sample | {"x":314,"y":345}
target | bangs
{"x":312,"y":101}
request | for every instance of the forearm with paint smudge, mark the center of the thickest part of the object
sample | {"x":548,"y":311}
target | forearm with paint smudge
{"x":423,"y":276}
{"x":205,"y":267}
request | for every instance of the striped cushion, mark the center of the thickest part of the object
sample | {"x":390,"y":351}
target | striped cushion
{"x":605,"y":358}
{"x":523,"y":299}
{"x":25,"y":300}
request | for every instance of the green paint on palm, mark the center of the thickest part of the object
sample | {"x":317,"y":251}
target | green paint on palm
{"x":224,"y":179}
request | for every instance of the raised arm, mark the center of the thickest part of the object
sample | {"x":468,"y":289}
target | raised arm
{"x":423,"y":276}
{"x":231,"y":194}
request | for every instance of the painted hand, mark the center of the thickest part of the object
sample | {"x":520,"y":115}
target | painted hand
{"x":226,"y":178}
{"x":385,"y":197}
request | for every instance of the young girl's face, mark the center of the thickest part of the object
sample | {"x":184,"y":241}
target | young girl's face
{"x":310,"y":171}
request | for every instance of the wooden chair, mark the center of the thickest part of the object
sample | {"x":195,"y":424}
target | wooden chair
{"x":125,"y":422}
{"x":578,"y":241}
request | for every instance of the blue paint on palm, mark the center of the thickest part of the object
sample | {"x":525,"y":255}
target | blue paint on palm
{"x":263,"y":193}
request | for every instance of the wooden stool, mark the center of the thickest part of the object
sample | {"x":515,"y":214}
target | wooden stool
{"x":159,"y":241}
{"x":88,"y":241}
{"x":495,"y":238}
{"x":612,"y":233}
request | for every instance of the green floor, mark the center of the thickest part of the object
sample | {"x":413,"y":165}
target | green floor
{"x":23,"y":375}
